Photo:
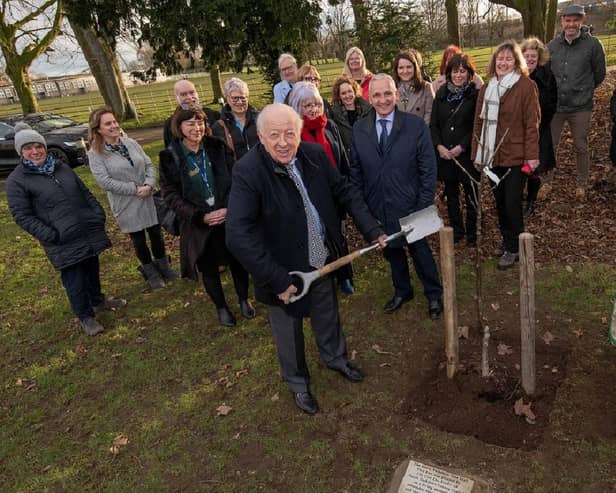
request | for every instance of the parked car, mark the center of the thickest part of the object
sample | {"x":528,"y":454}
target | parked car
{"x":66,"y":139}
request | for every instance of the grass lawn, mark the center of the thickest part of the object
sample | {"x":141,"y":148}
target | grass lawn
{"x":159,"y":373}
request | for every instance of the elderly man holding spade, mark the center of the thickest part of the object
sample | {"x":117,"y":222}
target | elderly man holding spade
{"x":282,"y":217}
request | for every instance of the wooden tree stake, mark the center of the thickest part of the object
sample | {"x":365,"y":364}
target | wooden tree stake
{"x":527,"y":311}
{"x":448,"y":272}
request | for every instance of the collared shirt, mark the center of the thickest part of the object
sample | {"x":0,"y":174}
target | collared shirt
{"x":390,"y":123}
{"x":281,"y":90}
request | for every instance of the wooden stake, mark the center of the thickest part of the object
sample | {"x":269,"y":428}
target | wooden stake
{"x":448,"y":272}
{"x":527,"y":311}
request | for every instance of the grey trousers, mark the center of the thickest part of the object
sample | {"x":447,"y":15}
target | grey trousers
{"x":289,"y":336}
{"x":579,"y":122}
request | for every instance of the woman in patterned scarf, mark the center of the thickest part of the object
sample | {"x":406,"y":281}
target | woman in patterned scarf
{"x":121,"y":168}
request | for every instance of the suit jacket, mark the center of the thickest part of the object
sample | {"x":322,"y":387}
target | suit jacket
{"x":403,"y":178}
{"x":266,"y":223}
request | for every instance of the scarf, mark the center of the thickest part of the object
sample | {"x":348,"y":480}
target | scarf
{"x":314,"y":131}
{"x":405,"y":92}
{"x":495,"y":90}
{"x":47,"y":168}
{"x":120,"y":149}
{"x":456,"y":92}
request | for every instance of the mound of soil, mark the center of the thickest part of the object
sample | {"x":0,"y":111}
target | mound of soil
{"x":484,"y":407}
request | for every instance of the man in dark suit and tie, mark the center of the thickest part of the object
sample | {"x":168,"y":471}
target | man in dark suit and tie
{"x":394,"y":164}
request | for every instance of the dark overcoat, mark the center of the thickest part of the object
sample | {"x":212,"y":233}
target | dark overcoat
{"x":548,"y":98}
{"x":340,"y":118}
{"x":180,"y":195}
{"x":451,"y":124}
{"x":242,"y":140}
{"x":266,"y":222}
{"x":403,"y":178}
{"x":59,"y":211}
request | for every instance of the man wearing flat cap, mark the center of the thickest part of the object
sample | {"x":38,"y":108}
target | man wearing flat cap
{"x":578,"y":63}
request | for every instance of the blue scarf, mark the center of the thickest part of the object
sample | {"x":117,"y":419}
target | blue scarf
{"x":456,"y":93}
{"x":120,"y":149}
{"x":47,"y":168}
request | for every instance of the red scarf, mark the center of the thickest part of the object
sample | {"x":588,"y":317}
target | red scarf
{"x":314,"y":131}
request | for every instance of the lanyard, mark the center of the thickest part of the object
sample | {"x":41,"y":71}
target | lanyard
{"x":203,"y":173}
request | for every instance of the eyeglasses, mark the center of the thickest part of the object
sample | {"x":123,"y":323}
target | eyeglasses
{"x":237,"y":99}
{"x":286,"y":69}
{"x":314,"y":80}
{"x":311,"y":106}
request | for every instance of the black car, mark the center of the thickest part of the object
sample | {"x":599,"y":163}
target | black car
{"x":66,"y":139}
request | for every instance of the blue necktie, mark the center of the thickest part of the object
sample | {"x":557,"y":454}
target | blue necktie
{"x":383,"y":137}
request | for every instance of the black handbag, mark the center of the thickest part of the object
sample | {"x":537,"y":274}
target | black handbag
{"x":166,"y":216}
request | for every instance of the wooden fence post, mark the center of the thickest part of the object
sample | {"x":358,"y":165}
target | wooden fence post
{"x":448,"y":272}
{"x":527,"y":312}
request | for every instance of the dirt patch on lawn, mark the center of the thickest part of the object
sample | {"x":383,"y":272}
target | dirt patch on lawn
{"x":484,"y":407}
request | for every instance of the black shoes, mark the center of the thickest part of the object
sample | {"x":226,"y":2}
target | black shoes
{"x":530,"y":208}
{"x":247,"y":310}
{"x":225,"y":317}
{"x":395,"y":303}
{"x":306,"y":402}
{"x":349,"y":372}
{"x":435,"y":308}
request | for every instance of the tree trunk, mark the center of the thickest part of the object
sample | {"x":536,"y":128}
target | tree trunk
{"x":453,"y":23}
{"x":550,"y":21}
{"x":216,"y":84}
{"x":18,"y":73}
{"x":103,"y":62}
{"x":362,"y":28}
{"x":533,"y":15}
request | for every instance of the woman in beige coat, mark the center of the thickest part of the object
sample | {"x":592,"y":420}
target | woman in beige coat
{"x":121,"y":168}
{"x":415,"y":94}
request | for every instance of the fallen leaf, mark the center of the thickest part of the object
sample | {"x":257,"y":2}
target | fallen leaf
{"x":223,"y":410}
{"x":275,"y":397}
{"x":522,"y":409}
{"x":383,"y":365}
{"x":495,"y":306}
{"x":517,"y":367}
{"x":187,"y":304}
{"x":117,"y":444}
{"x":463,"y":331}
{"x":377,"y":349}
{"x":568,"y":268}
{"x":547,"y":337}
{"x":81,"y":349}
{"x":241,"y":373}
{"x":578,"y":333}
{"x":139,"y":339}
{"x":116,"y":355}
{"x":19,"y":382}
{"x":353,"y":355}
{"x":236,"y":436}
{"x":46,"y":468}
{"x":510,"y":293}
{"x":503,"y":349}
{"x":554,"y":370}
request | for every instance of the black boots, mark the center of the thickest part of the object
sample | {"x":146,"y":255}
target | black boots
{"x":151,"y":275}
{"x":164,"y":269}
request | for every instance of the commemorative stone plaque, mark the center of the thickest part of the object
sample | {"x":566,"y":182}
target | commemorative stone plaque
{"x":418,"y":477}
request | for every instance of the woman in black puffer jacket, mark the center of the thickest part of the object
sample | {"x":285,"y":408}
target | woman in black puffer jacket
{"x":49,"y":201}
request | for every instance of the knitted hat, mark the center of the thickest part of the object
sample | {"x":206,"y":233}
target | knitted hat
{"x":24,"y":134}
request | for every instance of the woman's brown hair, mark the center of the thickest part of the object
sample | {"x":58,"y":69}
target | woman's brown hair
{"x":181,"y":115}
{"x":514,"y":48}
{"x":344,"y":79}
{"x":460,"y":60}
{"x":417,"y":82}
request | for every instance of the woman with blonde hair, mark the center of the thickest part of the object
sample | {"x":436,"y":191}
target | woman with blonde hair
{"x":121,"y":168}
{"x":355,"y":68}
{"x":537,"y":58}
{"x":506,"y":140}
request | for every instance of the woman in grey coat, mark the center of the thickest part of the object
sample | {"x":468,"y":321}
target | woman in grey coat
{"x":121,"y":167}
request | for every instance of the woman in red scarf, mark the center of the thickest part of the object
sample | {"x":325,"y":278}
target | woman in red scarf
{"x":308,"y":103}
